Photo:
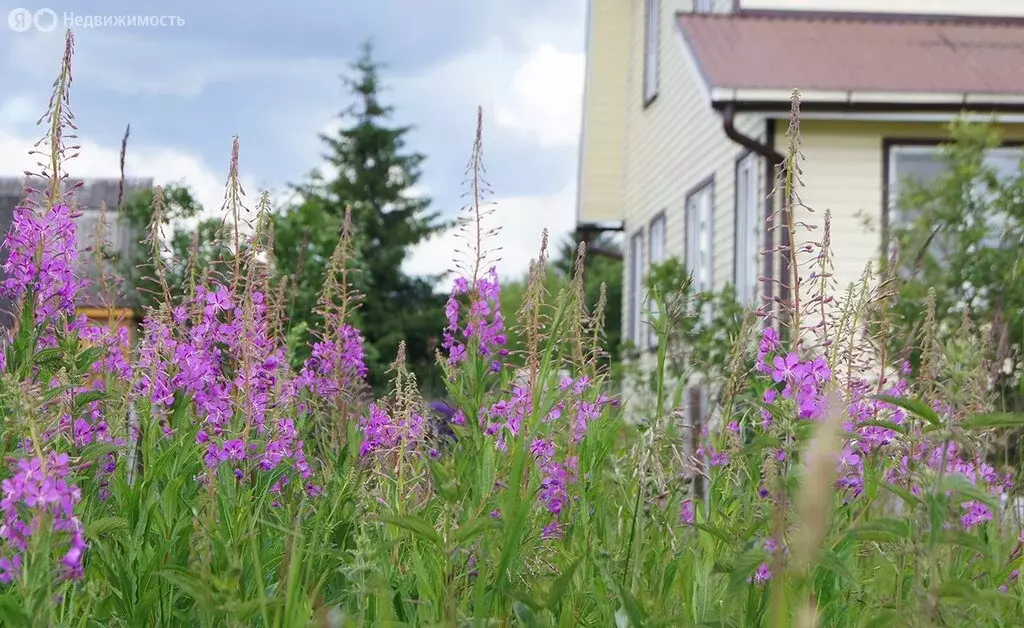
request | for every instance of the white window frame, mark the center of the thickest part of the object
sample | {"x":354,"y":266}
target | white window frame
{"x":749,"y":229}
{"x":636,"y":287}
{"x":657,"y":253}
{"x":895,"y":178}
{"x":700,"y":230}
{"x":652,"y":30}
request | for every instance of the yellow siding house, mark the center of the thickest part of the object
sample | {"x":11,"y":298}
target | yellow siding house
{"x":686,"y":109}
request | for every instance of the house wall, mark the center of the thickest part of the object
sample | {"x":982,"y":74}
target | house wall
{"x":1000,"y":8}
{"x":604,"y":112}
{"x":672,"y":145}
{"x":842,"y":171}
{"x":677,"y":142}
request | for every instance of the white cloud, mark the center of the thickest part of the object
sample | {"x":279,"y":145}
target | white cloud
{"x":521,"y":221}
{"x":130,"y":63}
{"x":164,"y":165}
{"x":545,"y":97}
{"x":18,"y":110}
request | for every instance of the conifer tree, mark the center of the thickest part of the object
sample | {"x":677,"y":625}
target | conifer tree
{"x":371,"y":171}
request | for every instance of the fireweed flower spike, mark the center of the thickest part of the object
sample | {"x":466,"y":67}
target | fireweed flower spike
{"x":485,"y":324}
{"x":41,"y":258}
{"x":39,"y":494}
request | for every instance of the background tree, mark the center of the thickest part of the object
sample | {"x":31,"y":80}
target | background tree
{"x":179,"y":209}
{"x":371,"y":172}
{"x":960,"y":234}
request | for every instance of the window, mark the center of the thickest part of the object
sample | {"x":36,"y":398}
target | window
{"x":924,"y":164}
{"x":699,"y":229}
{"x":651,"y":33}
{"x":636,"y":287}
{"x":748,"y":229}
{"x":657,"y":236}
{"x":702,"y":6}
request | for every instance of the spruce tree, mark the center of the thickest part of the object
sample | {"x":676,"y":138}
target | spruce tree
{"x":372,"y":173}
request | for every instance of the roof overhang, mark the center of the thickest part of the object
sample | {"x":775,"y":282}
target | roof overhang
{"x":770,"y":101}
{"x":746,"y":76}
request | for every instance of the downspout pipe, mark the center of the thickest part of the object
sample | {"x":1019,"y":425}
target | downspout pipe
{"x":774,"y":159}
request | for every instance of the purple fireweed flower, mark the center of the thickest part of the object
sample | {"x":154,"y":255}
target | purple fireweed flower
{"x":802,"y":382}
{"x":715,"y":458}
{"x":484,"y":324}
{"x":335,"y":366}
{"x":39,"y":487}
{"x":762,"y":575}
{"x":41,"y":258}
{"x":219,"y":354}
{"x":553,"y":530}
{"x":686,"y":514}
{"x":383,"y":432}
{"x":977,"y":513}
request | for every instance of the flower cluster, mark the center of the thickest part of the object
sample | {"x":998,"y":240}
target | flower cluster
{"x":581,"y":411}
{"x":554,"y":485}
{"x":219,"y":354}
{"x":382,"y":432}
{"x":485,"y":325}
{"x":803,"y":383}
{"x":39,"y":494}
{"x":505,"y":417}
{"x":335,"y":365}
{"x":41,"y":259}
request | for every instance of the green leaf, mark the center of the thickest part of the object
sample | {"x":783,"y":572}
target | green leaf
{"x":889,"y":425}
{"x":99,"y":527}
{"x":49,"y":358}
{"x":913,"y":406}
{"x":417,"y":526}
{"x":561,"y":584}
{"x":829,"y":560}
{"x":524,"y":614}
{"x":908,"y":498}
{"x":960,"y":486}
{"x":86,"y":398}
{"x":476,"y":527}
{"x":715,"y":531}
{"x":990,"y":420}
{"x":745,"y":565}
{"x":959,"y":538}
{"x":882,"y":530}
{"x":962,"y":589}
{"x":89,"y":356}
{"x":629,"y":610}
{"x":189,"y":585}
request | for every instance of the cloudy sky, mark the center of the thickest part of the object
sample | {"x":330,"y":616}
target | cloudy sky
{"x":270,"y":75}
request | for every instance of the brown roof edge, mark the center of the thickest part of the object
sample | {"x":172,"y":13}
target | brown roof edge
{"x":845,"y":60}
{"x":781,"y":106}
{"x":873,"y":16}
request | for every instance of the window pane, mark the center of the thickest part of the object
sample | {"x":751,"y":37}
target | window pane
{"x":748,"y":229}
{"x":920,"y":164}
{"x":651,"y":49}
{"x":658,"y":240}
{"x":700,"y":231}
{"x":923,"y":165}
